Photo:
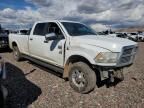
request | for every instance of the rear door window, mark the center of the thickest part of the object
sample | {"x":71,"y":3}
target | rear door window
{"x":40,"y":29}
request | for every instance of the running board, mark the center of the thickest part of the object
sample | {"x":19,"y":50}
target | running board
{"x":44,"y":64}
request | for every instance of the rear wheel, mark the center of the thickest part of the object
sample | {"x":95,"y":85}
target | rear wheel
{"x":16,"y":53}
{"x":82,"y":78}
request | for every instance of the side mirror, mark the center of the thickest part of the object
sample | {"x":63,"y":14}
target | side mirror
{"x":50,"y":36}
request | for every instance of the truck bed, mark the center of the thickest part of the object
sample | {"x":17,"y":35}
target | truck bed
{"x":21,"y":40}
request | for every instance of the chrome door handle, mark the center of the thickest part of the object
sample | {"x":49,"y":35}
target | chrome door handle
{"x":59,"y":46}
{"x":31,"y":38}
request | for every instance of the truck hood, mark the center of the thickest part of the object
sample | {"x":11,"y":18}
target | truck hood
{"x":113,"y":44}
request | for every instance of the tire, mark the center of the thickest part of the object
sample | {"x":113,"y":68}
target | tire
{"x":83,"y":81}
{"x":16,"y":53}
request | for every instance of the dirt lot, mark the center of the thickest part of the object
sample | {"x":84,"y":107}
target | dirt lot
{"x":35,"y":87}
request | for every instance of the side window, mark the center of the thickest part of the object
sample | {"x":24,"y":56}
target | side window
{"x":40,"y":29}
{"x":53,"y":28}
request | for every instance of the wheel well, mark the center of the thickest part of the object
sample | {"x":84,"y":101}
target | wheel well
{"x":77,"y":58}
{"x":14,"y":44}
{"x":71,"y":60}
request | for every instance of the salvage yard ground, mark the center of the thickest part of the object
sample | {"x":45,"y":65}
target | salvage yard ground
{"x":32,"y":86}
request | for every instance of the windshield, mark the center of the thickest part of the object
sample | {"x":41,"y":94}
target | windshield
{"x":77,"y":29}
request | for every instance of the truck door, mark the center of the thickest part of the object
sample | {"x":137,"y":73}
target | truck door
{"x":51,"y":51}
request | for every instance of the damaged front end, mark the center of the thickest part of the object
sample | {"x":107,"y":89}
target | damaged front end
{"x":111,"y":74}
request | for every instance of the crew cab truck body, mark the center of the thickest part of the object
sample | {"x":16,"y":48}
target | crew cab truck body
{"x":75,"y":50}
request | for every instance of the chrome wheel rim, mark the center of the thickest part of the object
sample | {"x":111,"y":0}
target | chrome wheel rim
{"x":78,"y":78}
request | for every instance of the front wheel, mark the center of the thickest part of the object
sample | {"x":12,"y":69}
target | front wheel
{"x":81,"y":77}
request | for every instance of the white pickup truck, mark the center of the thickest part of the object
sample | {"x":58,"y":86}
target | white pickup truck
{"x":75,"y":50}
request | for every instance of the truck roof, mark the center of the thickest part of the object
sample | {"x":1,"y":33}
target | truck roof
{"x":56,"y":21}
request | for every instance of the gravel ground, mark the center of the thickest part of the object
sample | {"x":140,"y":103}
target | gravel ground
{"x":32,"y":86}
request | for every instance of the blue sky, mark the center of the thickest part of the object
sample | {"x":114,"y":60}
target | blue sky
{"x":99,"y":14}
{"x":14,"y":4}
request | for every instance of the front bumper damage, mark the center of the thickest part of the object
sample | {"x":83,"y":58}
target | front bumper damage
{"x":111,"y":74}
{"x":113,"y":71}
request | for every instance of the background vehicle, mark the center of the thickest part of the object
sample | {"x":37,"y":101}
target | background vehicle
{"x":113,"y":34}
{"x":4,"y":39}
{"x":122,"y":35}
{"x":133,"y":36}
{"x":76,"y":51}
{"x":23,"y":32}
{"x":141,"y":37}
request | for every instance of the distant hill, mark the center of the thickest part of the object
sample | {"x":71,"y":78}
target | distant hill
{"x":131,"y":29}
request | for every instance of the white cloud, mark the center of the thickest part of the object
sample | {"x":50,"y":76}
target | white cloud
{"x":9,"y":17}
{"x":117,"y":13}
{"x":99,"y":27}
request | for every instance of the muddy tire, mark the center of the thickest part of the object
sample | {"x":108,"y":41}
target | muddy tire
{"x":16,"y":53}
{"x":81,"y":77}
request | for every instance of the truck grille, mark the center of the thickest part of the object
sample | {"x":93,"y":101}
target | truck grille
{"x":127,"y":51}
{"x":128,"y":55}
{"x":125,"y":59}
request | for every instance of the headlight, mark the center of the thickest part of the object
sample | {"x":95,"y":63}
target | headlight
{"x":107,"y":57}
